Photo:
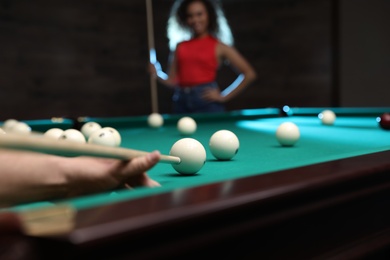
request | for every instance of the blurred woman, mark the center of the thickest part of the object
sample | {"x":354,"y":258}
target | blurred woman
{"x":200,"y":41}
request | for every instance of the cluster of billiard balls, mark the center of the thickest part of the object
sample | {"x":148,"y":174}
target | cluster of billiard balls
{"x":223,"y":144}
{"x":90,"y":132}
{"x":15,"y":126}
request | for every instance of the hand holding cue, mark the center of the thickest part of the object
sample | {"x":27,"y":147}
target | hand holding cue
{"x":41,"y":144}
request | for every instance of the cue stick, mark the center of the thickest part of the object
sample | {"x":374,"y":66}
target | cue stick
{"x":42,"y":144}
{"x":153,"y":81}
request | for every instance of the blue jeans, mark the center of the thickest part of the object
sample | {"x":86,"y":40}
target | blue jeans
{"x":189,"y":100}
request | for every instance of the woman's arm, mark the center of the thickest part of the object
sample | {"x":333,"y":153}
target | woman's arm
{"x":169,"y":79}
{"x":27,"y":176}
{"x":246,"y":74}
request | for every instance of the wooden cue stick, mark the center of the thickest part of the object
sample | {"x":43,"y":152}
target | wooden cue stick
{"x":41,"y":144}
{"x":153,"y":82}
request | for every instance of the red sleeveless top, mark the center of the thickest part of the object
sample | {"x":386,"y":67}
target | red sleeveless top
{"x":197,"y":61}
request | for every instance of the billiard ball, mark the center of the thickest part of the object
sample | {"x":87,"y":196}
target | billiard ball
{"x":155,"y":120}
{"x":21,"y":128}
{"x":102,"y":137}
{"x":191,"y":153}
{"x":327,"y":117}
{"x":384,"y":121}
{"x":287,"y":134}
{"x":186,"y":125}
{"x":224,"y":144}
{"x":54,"y":133}
{"x":73,"y":135}
{"x":88,"y":128}
{"x":9,"y":123}
{"x":117,"y":136}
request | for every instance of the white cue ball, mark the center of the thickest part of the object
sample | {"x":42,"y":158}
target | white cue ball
{"x":88,"y":128}
{"x":117,"y":135}
{"x":186,"y":125}
{"x":224,"y":144}
{"x":21,"y":128}
{"x":287,"y":134}
{"x":73,"y":135}
{"x":102,"y":137}
{"x":327,"y":117}
{"x":191,"y":153}
{"x":9,"y":123}
{"x":54,"y":133}
{"x":155,"y":120}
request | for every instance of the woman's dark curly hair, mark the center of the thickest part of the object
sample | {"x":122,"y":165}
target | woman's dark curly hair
{"x":178,"y":29}
{"x":181,"y":14}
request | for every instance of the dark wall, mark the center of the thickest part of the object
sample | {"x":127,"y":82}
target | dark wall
{"x":88,"y":57}
{"x":365,"y":60}
{"x":71,"y":57}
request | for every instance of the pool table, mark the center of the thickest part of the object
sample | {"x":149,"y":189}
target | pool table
{"x":327,"y":196}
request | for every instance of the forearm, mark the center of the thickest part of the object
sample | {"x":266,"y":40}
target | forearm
{"x":165,"y":80}
{"x":28,"y":177}
{"x":161,"y":76}
{"x":242,"y":81}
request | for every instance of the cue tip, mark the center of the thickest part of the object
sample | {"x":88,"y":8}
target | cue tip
{"x":170,"y":159}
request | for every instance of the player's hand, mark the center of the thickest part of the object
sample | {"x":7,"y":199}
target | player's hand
{"x":134,"y":172}
{"x":152,"y":70}
{"x":213,"y":95}
{"x":98,"y":175}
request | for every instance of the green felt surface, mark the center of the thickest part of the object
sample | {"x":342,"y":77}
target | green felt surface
{"x":340,"y":111}
{"x":259,"y":152}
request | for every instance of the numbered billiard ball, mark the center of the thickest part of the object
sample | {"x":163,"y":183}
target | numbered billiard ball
{"x":155,"y":120}
{"x":191,"y":153}
{"x":73,"y":135}
{"x":21,"y":128}
{"x":327,"y":117}
{"x":102,"y":137}
{"x":88,"y":128}
{"x":287,"y":134}
{"x":224,"y":144}
{"x":186,"y":125}
{"x":54,"y":133}
{"x":384,"y":121}
{"x":116,"y":134}
{"x":9,"y":124}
